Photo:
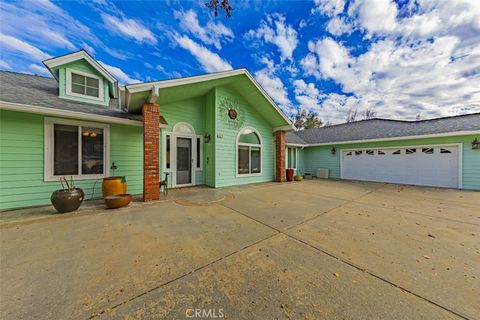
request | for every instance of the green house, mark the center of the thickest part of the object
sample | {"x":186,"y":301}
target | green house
{"x":218,"y":130}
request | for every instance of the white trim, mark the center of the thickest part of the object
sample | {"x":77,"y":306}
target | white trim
{"x":68,"y":84}
{"x":55,"y":62}
{"x":298,"y":145}
{"x":67,"y":114}
{"x":434,"y":135}
{"x":134,"y":88}
{"x":458,"y":145}
{"x":183,"y":123}
{"x":249,"y":145}
{"x":283,"y":128}
{"x":48,"y":149}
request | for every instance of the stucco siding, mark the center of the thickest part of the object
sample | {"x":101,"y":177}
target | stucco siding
{"x":226,"y":137}
{"x":22,"y":161}
{"x":321,"y":156}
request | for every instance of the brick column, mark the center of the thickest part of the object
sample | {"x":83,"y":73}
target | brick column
{"x":280,"y":156}
{"x":151,"y":154}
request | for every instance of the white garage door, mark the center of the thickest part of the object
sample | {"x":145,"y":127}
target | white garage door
{"x":427,"y":166}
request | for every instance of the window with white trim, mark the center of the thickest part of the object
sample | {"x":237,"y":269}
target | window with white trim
{"x":75,"y":149}
{"x":85,"y":85}
{"x":292,"y":158}
{"x":249,"y":152}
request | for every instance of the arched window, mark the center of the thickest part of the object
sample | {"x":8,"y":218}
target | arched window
{"x":249,"y":152}
{"x":183,"y":128}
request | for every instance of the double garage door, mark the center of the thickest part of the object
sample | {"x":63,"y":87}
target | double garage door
{"x":426,"y":165}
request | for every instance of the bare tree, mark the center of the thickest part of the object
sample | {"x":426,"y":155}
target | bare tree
{"x":351,"y":115}
{"x":216,"y":5}
{"x":369,"y":114}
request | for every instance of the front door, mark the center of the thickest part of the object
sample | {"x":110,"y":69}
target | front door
{"x":184,"y":161}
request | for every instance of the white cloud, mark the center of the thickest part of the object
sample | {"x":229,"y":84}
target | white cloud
{"x":129,"y":27}
{"x":307,"y":95}
{"x":210,"y":61}
{"x":119,"y":74}
{"x":211,"y":34}
{"x":15,"y":45}
{"x":4,"y":65}
{"x":338,"y":26}
{"x":275,"y":31}
{"x":40,"y":70}
{"x":43,"y":24}
{"x":329,"y":7}
{"x":273,"y":85}
{"x":377,"y":16}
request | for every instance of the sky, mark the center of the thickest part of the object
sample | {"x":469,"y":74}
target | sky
{"x":401,"y":59}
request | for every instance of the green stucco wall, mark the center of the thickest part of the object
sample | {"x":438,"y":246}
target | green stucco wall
{"x":83,"y":66}
{"x":22,"y":160}
{"x":321,"y":156}
{"x":225,"y":141}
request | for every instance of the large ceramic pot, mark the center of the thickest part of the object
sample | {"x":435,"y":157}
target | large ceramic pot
{"x":118,"y":200}
{"x":67,"y":200}
{"x":114,"y":185}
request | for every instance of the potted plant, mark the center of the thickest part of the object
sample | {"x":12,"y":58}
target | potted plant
{"x":68,"y":198}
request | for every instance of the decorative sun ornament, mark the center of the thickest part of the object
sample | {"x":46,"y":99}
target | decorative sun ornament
{"x":229,"y":107}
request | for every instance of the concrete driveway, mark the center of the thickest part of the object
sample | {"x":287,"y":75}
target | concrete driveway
{"x":309,"y":250}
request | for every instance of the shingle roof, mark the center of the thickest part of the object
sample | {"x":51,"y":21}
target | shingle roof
{"x":384,"y":129}
{"x":43,"y":92}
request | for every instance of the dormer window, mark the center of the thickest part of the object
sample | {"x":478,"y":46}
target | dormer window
{"x":84,"y":85}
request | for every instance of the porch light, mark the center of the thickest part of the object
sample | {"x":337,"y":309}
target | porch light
{"x":476,"y":144}
{"x":333,"y":150}
{"x":85,"y":133}
{"x":206,"y":138}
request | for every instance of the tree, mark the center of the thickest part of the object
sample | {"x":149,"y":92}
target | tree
{"x":307,"y":120}
{"x":351,"y":115}
{"x":369,"y":114}
{"x":215,"y":5}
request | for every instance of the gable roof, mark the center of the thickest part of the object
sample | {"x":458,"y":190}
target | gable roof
{"x":31,"y":91}
{"x":385,"y":129}
{"x":74,"y":56}
{"x":213,"y":78}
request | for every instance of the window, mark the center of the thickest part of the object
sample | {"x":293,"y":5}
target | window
{"x":349,"y":153}
{"x":370,"y":152}
{"x":291,"y":158}
{"x":380,"y":152}
{"x":410,"y":151}
{"x":249,"y":152}
{"x":84,"y":85}
{"x":75,"y":149}
{"x":357,"y":153}
{"x":427,"y":150}
{"x":397,"y":152}
{"x":199,"y":154}
{"x":445,"y":150}
{"x":168,"y":154}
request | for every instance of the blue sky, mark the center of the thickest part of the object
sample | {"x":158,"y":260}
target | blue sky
{"x":400,"y":59}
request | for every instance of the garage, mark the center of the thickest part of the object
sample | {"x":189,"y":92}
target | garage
{"x":435,"y":165}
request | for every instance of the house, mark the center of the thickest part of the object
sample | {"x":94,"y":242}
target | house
{"x":217,"y":129}
{"x":442,"y":152}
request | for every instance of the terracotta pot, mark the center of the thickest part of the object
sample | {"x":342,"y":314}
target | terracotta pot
{"x":67,"y":200}
{"x":118,"y":200}
{"x":114,"y":185}
{"x":290,"y":174}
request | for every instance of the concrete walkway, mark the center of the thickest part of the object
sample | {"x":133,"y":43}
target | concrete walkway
{"x":309,"y":250}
